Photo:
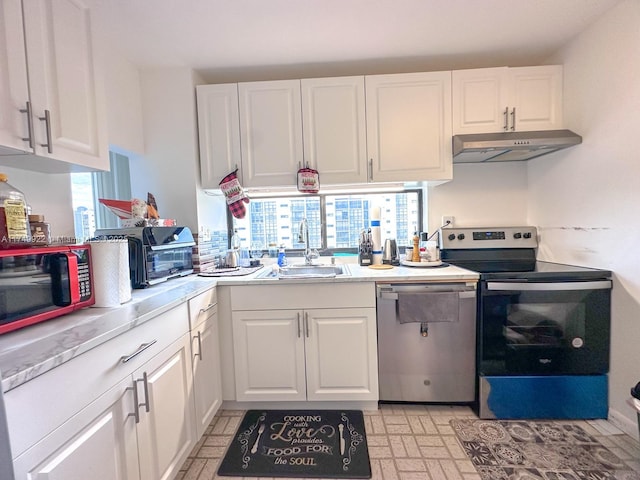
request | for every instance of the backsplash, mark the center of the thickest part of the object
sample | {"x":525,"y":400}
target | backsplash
{"x":210,"y":245}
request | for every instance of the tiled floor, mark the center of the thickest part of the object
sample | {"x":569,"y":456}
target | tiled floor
{"x":406,"y":442}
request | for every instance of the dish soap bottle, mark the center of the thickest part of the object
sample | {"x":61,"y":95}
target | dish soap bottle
{"x":235,"y":240}
{"x":282,"y":258}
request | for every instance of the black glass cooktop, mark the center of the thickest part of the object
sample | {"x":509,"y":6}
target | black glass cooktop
{"x":539,"y":271}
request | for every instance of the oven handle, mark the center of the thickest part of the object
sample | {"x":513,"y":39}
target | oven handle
{"x":548,"y":286}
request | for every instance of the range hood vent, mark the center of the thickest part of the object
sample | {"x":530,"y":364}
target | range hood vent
{"x":510,"y":147}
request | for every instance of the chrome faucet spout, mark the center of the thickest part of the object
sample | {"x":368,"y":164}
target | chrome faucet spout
{"x":303,"y":237}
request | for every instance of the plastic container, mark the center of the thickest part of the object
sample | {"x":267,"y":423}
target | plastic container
{"x":235,"y":240}
{"x":282,"y":257}
{"x":40,"y":230}
{"x":14,"y":223}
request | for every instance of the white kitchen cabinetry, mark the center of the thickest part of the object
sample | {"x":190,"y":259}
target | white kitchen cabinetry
{"x":334,"y":128}
{"x":88,"y":418}
{"x":205,"y":355}
{"x":306,"y":352}
{"x":219,"y":133}
{"x":502,"y":99}
{"x":62,"y":117}
{"x":270,"y":132}
{"x":409,"y":126}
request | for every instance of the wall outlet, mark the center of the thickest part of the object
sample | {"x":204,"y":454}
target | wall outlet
{"x":447,"y":218}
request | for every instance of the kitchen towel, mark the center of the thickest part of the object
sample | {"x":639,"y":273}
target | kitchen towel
{"x":110,"y":268}
{"x":424,"y":307}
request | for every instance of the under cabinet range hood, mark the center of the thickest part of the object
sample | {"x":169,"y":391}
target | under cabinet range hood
{"x":510,"y":147}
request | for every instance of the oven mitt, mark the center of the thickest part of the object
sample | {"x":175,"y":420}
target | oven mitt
{"x":308,"y":180}
{"x":236,"y":198}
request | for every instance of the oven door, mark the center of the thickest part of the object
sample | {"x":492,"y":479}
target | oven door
{"x":544,"y":328}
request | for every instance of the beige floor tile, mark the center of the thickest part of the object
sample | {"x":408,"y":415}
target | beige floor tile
{"x":410,"y":465}
{"x":397,"y":446}
{"x":411,"y":446}
{"x":414,"y":476}
{"x":429,"y":440}
{"x":396,"y":429}
{"x":377,"y":440}
{"x":380,"y":452}
{"x":388,"y":468}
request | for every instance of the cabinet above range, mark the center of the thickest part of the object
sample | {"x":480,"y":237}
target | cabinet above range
{"x":281,"y":126}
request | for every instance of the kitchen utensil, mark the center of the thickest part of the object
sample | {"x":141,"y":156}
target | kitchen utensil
{"x":342,"y":441}
{"x":390,"y":254}
{"x":254,"y":449}
{"x":232,"y":258}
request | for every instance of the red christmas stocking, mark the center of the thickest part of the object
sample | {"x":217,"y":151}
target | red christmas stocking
{"x":236,"y":198}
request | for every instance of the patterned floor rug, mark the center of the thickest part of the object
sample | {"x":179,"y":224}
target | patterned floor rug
{"x":540,"y":450}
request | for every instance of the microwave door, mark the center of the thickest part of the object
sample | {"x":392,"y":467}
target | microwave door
{"x":64,"y":279}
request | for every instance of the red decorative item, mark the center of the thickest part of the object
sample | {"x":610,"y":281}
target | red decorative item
{"x":236,"y":198}
{"x":308,"y":180}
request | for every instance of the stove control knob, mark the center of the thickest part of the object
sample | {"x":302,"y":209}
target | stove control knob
{"x":517,"y":235}
{"x":451,"y":236}
{"x":527,"y":234}
{"x":461,"y":236}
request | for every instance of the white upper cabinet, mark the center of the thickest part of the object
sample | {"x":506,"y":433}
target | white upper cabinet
{"x":219,"y":129}
{"x":490,"y":100}
{"x":409,"y":126}
{"x":334,"y":128}
{"x":270,"y":132}
{"x":65,"y":125}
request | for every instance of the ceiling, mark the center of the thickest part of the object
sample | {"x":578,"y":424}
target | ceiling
{"x":238,"y":40}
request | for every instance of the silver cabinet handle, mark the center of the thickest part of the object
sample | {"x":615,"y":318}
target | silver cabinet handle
{"x":506,"y":118}
{"x":513,"y":119}
{"x":299,"y":329}
{"x":29,"y":137}
{"x":136,"y":405}
{"x":145,"y":384}
{"x":141,"y":348}
{"x":370,"y":169}
{"x":199,"y":337}
{"x":306,"y":324}
{"x":47,"y":122}
{"x":207,"y":308}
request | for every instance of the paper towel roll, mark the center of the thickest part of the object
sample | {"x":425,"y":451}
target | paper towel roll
{"x":376,"y":236}
{"x":110,"y":268}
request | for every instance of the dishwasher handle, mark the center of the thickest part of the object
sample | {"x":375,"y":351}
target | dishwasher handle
{"x":393,"y":295}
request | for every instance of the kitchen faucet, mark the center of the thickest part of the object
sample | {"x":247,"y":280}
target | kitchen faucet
{"x":303,"y":237}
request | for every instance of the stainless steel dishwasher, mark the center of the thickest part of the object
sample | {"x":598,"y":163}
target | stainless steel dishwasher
{"x":427,"y":342}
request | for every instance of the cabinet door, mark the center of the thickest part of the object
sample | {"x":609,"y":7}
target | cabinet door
{"x":334,"y":129}
{"x":207,"y":382}
{"x":479,"y":98}
{"x":409,"y":126}
{"x":270,"y":132}
{"x":14,"y":93}
{"x":268,"y":351}
{"x":98,"y":443}
{"x":341,"y":354}
{"x":219,"y":132}
{"x":166,"y":432}
{"x":536,"y":95}
{"x":64,"y":82}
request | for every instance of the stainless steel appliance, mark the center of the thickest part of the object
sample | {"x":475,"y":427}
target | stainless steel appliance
{"x":510,"y":146}
{"x":41,"y":283}
{"x":390,"y":254}
{"x":543,"y":328}
{"x":156,"y":254}
{"x":426,"y":342}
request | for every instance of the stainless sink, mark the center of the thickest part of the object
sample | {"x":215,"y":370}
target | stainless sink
{"x":308,"y":271}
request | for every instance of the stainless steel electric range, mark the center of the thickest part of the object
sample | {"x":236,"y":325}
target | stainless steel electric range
{"x":543,"y":328}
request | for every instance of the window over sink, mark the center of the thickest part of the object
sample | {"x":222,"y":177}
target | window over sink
{"x":335,"y":219}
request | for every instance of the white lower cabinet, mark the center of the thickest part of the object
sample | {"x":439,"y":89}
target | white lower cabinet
{"x":322,"y":354}
{"x":205,"y":357}
{"x":123,"y":410}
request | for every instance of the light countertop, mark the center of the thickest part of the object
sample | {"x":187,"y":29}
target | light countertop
{"x":34,"y":350}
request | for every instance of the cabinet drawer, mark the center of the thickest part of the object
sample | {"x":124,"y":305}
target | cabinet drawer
{"x":201,"y":307}
{"x":37,"y":407}
{"x":311,"y":295}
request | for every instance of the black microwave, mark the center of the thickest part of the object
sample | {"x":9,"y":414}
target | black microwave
{"x":156,"y":254}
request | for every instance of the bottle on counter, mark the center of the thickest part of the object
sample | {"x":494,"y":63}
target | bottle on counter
{"x":235,"y":240}
{"x":14,"y":223}
{"x":282,"y":257}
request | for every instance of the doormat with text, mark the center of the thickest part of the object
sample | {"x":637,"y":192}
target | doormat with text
{"x":299,"y":443}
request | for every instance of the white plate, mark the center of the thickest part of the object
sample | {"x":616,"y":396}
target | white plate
{"x":421,"y":264}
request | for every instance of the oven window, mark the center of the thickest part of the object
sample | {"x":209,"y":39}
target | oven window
{"x":544,"y":324}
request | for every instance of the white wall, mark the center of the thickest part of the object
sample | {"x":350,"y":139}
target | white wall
{"x":586,"y":200}
{"x":493,"y":194}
